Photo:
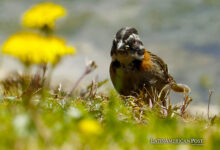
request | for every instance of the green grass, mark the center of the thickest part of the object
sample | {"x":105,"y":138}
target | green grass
{"x":48,"y":119}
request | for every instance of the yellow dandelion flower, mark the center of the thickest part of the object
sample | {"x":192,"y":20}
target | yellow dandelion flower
{"x":90,"y":126}
{"x":33,"y":48}
{"x":42,"y":15}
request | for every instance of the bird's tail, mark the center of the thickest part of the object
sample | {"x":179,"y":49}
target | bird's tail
{"x":178,"y":87}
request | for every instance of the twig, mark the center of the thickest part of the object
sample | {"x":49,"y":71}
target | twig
{"x":210,"y":96}
{"x":89,"y":68}
{"x":186,"y":102}
{"x":44,"y":69}
{"x":77,"y":82}
{"x":36,"y":91}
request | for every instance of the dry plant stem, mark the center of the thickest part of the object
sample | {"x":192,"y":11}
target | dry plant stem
{"x":77,"y":82}
{"x":187,"y":101}
{"x":89,"y":68}
{"x":93,"y":89}
{"x":49,"y":76}
{"x":210,"y":96}
{"x":183,"y":108}
{"x":44,"y":69}
{"x":47,"y":32}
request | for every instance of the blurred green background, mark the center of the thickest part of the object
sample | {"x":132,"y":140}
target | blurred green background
{"x":184,"y":33}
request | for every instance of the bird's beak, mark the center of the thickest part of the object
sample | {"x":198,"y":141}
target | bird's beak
{"x":120,"y":45}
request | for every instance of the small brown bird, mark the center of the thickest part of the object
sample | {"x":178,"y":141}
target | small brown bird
{"x":134,"y":69}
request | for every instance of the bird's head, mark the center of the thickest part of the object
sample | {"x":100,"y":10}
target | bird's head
{"x":127,"y":46}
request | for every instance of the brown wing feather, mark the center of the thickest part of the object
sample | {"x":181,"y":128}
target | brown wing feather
{"x":160,"y":68}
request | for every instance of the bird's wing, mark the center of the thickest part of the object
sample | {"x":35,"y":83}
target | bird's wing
{"x":160,"y":68}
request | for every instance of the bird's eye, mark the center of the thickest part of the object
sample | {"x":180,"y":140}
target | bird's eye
{"x":134,"y":42}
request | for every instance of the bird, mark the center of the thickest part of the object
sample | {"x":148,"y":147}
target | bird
{"x":134,"y":69}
